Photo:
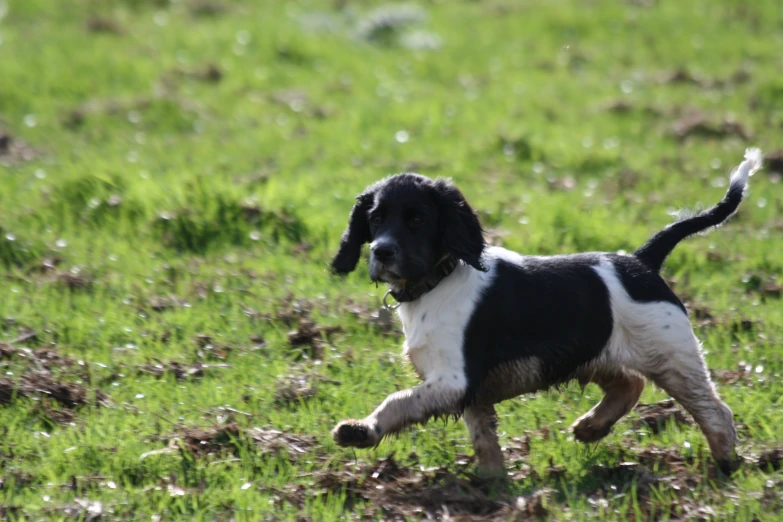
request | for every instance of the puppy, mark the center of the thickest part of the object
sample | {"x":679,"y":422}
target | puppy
{"x":484,"y":324}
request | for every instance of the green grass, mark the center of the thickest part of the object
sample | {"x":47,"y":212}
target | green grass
{"x":146,"y":201}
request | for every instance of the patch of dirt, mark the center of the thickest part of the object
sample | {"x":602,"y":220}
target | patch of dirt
{"x":14,"y":151}
{"x":102,"y":24}
{"x":384,"y":24}
{"x":773,"y":161}
{"x":623,"y":475}
{"x":209,"y":73}
{"x":276,"y":442}
{"x":206,"y":8}
{"x":25,"y":334}
{"x":767,"y":287}
{"x":742,"y":374}
{"x":228,"y":438}
{"x":225,"y":414}
{"x":209,"y":349}
{"x":204,"y":340}
{"x":42,"y":359}
{"x":443,"y":495}
{"x":291,"y":310}
{"x":771,"y":459}
{"x":47,"y":265}
{"x":207,"y":441}
{"x":627,"y":107}
{"x":696,"y":124}
{"x":396,"y":492}
{"x":300,"y":385}
{"x":158,"y":303}
{"x":666,"y":460}
{"x":656,"y":416}
{"x":54,"y":416}
{"x":310,"y":338}
{"x":75,"y":279}
{"x":684,"y":76}
{"x":672,"y":474}
{"x":38,"y":385}
{"x":180,"y":371}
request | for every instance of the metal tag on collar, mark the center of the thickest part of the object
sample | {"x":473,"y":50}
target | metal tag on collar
{"x":386,"y":305}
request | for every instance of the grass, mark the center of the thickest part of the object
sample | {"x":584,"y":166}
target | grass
{"x":176,"y":175}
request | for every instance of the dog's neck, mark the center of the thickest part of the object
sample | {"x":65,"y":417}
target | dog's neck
{"x":439,"y":272}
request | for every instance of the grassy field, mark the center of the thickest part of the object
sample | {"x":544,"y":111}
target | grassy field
{"x":174,"y":177}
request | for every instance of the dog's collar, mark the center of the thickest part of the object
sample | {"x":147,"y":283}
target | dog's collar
{"x":410,"y":293}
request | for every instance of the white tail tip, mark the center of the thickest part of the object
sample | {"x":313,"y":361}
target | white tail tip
{"x":753,"y":162}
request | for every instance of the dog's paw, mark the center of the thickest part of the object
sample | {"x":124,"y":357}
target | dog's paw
{"x":355,"y":433}
{"x":585,"y":430}
{"x":730,"y":465}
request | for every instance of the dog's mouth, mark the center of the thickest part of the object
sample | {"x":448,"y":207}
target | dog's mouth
{"x":382,"y":274}
{"x":392,"y":278}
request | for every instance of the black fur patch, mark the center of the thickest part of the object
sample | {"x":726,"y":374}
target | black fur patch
{"x":641,"y":282}
{"x":556,"y":309}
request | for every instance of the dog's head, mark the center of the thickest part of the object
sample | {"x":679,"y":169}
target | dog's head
{"x":412,"y":223}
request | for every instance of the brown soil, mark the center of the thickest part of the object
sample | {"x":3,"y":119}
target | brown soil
{"x":180,"y":371}
{"x":657,"y":416}
{"x":39,"y":385}
{"x":697,"y":124}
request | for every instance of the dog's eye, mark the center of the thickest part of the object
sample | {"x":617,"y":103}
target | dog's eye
{"x":416,"y":221}
{"x":376,"y":220}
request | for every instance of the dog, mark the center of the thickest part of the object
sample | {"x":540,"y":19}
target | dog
{"x":484,"y":324}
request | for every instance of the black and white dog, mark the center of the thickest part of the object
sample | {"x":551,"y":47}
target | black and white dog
{"x":484,"y":324}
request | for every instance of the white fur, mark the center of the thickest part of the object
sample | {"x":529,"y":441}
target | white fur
{"x":434,"y":344}
{"x":753,"y":162}
{"x":646,"y":330}
{"x":656,"y":340}
{"x":434,"y":325}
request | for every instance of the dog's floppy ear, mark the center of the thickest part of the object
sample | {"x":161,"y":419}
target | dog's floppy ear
{"x":461,"y":230}
{"x":357,"y":234}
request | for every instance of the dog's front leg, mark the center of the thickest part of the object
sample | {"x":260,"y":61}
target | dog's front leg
{"x":434,"y":397}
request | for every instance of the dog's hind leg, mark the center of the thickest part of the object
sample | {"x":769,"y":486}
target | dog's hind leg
{"x":684,"y":376}
{"x":482,"y":426}
{"x":436,"y":396}
{"x":667,"y":352}
{"x":622,"y":389}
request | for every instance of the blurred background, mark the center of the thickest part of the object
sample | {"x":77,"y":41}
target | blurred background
{"x":175,"y":175}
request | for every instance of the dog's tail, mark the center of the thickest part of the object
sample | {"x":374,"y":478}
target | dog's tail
{"x":654,"y":252}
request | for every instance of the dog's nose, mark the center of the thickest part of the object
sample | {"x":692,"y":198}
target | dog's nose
{"x":384,"y":252}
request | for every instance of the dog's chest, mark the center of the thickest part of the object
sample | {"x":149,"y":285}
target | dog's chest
{"x":434,"y":329}
{"x":432,"y":344}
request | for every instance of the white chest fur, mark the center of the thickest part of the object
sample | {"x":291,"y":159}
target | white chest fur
{"x":434,"y":325}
